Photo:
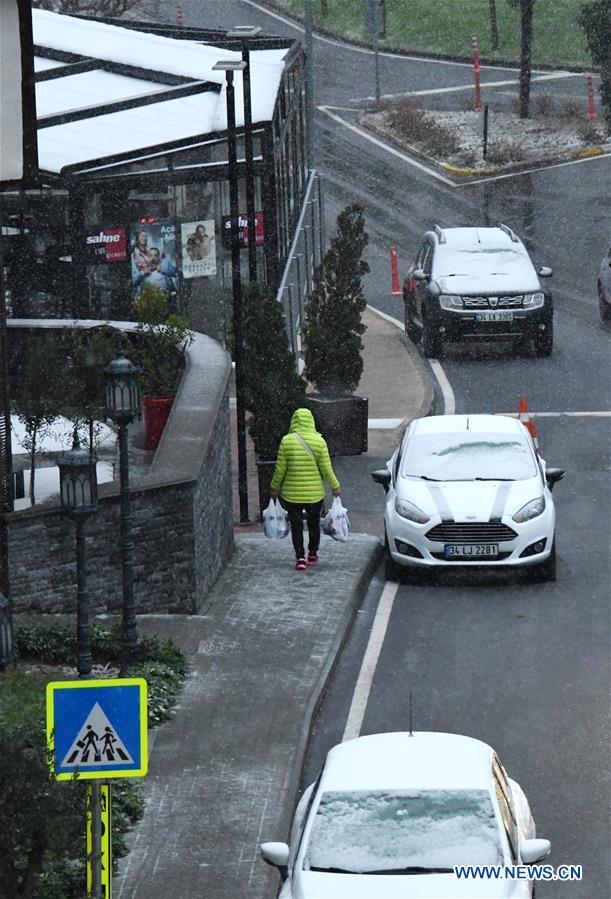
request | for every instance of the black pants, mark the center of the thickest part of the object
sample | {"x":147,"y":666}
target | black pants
{"x":296,"y":511}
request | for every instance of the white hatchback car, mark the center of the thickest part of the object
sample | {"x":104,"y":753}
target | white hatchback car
{"x":391,"y":815}
{"x":468,"y":490}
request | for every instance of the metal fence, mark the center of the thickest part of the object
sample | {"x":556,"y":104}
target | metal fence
{"x":306,"y":252}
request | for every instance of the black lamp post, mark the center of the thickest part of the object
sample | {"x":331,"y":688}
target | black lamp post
{"x":78,"y":487}
{"x":122,"y":405}
{"x":243,"y":32}
{"x":229,"y":67}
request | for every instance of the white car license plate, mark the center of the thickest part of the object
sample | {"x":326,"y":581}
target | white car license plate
{"x":494,"y":317}
{"x":469,"y":550}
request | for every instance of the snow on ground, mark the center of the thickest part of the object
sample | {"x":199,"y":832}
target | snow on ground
{"x":46,"y":482}
{"x":58,"y":437}
{"x":533,"y":138}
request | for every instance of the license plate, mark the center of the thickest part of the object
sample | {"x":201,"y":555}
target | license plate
{"x":494,"y":317}
{"x":470,"y":550}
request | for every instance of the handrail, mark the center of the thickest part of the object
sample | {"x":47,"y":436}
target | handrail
{"x":293,"y":250}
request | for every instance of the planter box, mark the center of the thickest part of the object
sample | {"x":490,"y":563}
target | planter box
{"x":265,"y":470}
{"x":156,"y":414}
{"x":342,"y":421}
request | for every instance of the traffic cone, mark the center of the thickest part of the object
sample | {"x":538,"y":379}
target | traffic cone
{"x":528,"y":421}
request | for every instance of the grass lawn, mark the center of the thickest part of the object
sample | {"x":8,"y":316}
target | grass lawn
{"x":446,"y":26}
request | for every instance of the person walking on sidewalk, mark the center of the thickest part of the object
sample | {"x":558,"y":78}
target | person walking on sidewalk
{"x":303,"y":462}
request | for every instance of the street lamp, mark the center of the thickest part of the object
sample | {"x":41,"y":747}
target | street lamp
{"x":122,"y":405}
{"x":78,"y":488}
{"x":229,"y":67}
{"x":243,"y":32}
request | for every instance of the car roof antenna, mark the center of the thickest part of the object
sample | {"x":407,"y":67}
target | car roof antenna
{"x":410,"y":714}
{"x":467,"y":424}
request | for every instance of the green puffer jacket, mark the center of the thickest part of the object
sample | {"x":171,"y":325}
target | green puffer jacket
{"x":297,"y":475}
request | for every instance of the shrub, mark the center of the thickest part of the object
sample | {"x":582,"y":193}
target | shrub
{"x":504,"y":151}
{"x":571,"y":109}
{"x":162,"y":340}
{"x":411,"y":124}
{"x":589,"y":131}
{"x":544,"y":104}
{"x":273,"y":389}
{"x":333,"y":329}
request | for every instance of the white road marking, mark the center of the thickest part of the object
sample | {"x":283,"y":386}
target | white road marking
{"x":408,"y":159}
{"x":362,"y":689}
{"x":468,"y":87}
{"x":449,"y":401}
{"x":540,"y":168}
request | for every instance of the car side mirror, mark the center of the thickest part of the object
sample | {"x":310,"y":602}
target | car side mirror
{"x":544,"y":271}
{"x":382,"y":476}
{"x":276,"y":854}
{"x":534,"y":850}
{"x":553,"y":475}
{"x":419,"y":275}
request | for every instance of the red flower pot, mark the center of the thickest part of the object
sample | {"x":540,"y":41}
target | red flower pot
{"x":156,"y":412}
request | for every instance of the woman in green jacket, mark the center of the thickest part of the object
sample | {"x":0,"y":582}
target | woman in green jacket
{"x":303,"y":462}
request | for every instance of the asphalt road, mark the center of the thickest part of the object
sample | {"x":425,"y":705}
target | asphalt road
{"x":523,"y":666}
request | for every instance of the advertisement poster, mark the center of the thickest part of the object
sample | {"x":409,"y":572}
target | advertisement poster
{"x":243,"y":230}
{"x":107,"y":245}
{"x":198,"y":249}
{"x":153,"y":254}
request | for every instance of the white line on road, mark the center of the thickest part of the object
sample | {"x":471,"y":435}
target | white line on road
{"x":468,"y":87}
{"x":557,"y":414}
{"x":360,"y":696}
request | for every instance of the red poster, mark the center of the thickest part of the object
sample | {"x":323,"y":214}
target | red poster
{"x":108,"y":245}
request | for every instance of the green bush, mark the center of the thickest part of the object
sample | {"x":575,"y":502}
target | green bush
{"x":160,"y":344}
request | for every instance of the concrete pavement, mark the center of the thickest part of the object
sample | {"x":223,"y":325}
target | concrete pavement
{"x":224,"y":772}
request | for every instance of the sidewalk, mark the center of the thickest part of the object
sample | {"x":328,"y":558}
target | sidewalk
{"x":224,"y":773}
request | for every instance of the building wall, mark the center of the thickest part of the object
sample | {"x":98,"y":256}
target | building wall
{"x":181,"y":514}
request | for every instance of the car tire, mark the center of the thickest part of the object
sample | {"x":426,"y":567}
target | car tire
{"x":603,"y":307}
{"x":392,"y":571}
{"x":411,"y":328}
{"x":432,"y":344}
{"x":547,"y":571}
{"x":544,"y":342}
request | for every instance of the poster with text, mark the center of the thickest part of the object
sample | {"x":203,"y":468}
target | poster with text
{"x":106,"y":245}
{"x":198,"y":249}
{"x":153,"y":254}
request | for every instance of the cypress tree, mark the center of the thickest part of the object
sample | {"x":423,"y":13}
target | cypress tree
{"x":333,"y":329}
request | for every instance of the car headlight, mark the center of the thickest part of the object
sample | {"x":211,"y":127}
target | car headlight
{"x":448,"y":301}
{"x":408,"y":510}
{"x":534,"y":300}
{"x":530,"y":510}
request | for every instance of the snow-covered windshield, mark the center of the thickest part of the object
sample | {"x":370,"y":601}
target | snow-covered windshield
{"x":468,"y":455}
{"x":480,"y":260}
{"x":406,"y":831}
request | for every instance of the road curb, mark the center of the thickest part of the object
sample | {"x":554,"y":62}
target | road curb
{"x":291,"y":783}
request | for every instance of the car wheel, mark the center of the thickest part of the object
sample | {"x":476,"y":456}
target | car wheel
{"x":544,"y":342}
{"x":603,"y":306}
{"x":547,"y":571}
{"x":391,"y":569}
{"x":432,"y":344}
{"x":411,"y":328}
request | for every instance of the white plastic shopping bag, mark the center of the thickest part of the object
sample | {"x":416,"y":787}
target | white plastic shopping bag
{"x":275,"y":521}
{"x":335,"y":523}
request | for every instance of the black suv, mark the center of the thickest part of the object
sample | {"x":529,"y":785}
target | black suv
{"x":476,"y":282}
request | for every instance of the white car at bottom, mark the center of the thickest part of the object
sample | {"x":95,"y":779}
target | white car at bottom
{"x":392,"y":815}
{"x":468,"y":490}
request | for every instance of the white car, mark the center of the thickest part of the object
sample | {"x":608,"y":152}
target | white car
{"x":468,"y":490}
{"x":391,"y":815}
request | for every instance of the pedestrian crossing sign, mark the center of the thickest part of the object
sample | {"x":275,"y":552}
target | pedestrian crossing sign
{"x":97,"y":728}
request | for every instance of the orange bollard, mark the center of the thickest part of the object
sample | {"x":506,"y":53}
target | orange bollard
{"x":180,"y":21}
{"x":478,"y":99}
{"x":528,"y":421}
{"x":592,"y":114}
{"x":394,"y":272}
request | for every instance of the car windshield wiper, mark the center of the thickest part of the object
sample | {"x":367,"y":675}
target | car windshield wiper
{"x":411,"y":870}
{"x":493,"y":479}
{"x":423,"y":477}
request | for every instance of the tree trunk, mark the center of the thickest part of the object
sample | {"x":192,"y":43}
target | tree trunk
{"x":525,"y":56}
{"x":33,"y":466}
{"x":494,"y":27}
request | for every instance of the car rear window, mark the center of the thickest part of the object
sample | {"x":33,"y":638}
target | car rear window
{"x":467,"y":456}
{"x":382,"y":831}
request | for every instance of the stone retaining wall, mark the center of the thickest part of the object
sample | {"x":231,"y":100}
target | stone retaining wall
{"x":181,"y":510}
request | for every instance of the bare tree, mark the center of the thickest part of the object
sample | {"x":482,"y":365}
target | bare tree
{"x":87,"y":7}
{"x":595,"y":19}
{"x":526,"y":31}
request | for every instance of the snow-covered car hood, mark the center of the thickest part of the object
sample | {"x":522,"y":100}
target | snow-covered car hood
{"x":469,"y":500}
{"x":316,"y":885}
{"x":488,"y":283}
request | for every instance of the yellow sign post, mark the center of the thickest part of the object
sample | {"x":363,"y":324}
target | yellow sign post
{"x":105,"y":841}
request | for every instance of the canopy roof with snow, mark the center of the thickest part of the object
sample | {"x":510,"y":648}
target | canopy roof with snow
{"x":108,"y":91}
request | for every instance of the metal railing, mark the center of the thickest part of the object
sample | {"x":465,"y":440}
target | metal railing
{"x":306,"y":252}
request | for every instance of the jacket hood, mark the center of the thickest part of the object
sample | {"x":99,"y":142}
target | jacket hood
{"x":302,"y":420}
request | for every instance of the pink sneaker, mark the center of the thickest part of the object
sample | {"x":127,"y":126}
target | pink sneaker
{"x":312,"y":558}
{"x":301,"y":564}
